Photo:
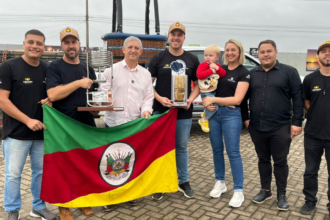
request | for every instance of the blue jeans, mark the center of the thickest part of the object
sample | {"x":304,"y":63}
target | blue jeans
{"x":209,"y":114}
{"x":182,"y":136}
{"x":15,"y":153}
{"x":226,"y":124}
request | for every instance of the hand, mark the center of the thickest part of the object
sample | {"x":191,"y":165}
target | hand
{"x":214,"y":66}
{"x":166,"y":102}
{"x":295,"y":131}
{"x":47,"y":102}
{"x":189,"y":101}
{"x":146,"y":114}
{"x":207,"y":101}
{"x":213,"y":70}
{"x":211,"y":108}
{"x":85,"y":83}
{"x":247,"y":123}
{"x":35,"y":125}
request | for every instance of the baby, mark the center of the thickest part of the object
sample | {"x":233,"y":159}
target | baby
{"x":208,"y":74}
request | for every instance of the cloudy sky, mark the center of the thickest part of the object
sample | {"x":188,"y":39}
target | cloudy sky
{"x":295,"y":25}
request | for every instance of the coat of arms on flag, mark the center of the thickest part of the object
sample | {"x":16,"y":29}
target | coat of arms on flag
{"x":117,"y":163}
{"x":86,"y":166}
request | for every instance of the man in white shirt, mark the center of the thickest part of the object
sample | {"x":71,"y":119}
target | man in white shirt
{"x":132,"y":89}
{"x":132,"y":86}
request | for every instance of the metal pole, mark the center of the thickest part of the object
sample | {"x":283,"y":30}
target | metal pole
{"x":157,"y":26}
{"x":147,"y":17}
{"x":87,"y":39}
{"x":119,"y":16}
{"x":114,"y":15}
{"x":87,"y":49}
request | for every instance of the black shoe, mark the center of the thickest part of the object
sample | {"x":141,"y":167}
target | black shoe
{"x":133,"y":202}
{"x":13,"y":215}
{"x":282,"y":203}
{"x":186,"y":190}
{"x":307,"y":208}
{"x":262,"y":196}
{"x":157,"y":196}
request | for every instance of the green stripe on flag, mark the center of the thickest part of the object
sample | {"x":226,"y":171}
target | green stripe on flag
{"x":85,"y":137}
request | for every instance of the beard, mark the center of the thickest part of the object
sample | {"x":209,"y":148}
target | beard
{"x":71,"y":56}
{"x":325,"y":63}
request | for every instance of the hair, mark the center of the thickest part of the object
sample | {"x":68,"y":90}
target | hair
{"x":213,"y":48}
{"x":35,"y":32}
{"x":241,"y":58}
{"x":132,"y":38}
{"x":267,"y":42}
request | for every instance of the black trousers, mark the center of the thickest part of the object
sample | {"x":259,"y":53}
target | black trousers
{"x":275,"y":144}
{"x":314,"y":149}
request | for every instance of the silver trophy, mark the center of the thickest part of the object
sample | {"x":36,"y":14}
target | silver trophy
{"x":99,"y":101}
{"x":100,"y":60}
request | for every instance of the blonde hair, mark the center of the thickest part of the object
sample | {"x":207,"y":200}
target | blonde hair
{"x":241,"y":58}
{"x":213,"y":48}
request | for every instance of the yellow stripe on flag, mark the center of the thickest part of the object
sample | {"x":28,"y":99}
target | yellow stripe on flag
{"x":160,"y":176}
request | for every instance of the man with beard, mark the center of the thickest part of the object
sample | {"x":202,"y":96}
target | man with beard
{"x":66,"y":88}
{"x":316,"y":93}
{"x":22,"y":86}
{"x":273,"y":86}
{"x":160,"y":69}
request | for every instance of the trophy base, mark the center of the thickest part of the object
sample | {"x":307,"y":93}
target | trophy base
{"x":99,"y":109}
{"x":180,"y":103}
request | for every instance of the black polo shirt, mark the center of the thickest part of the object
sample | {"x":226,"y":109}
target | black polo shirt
{"x":316,"y":89}
{"x":27,"y":86}
{"x":60,"y":72}
{"x":275,"y":97}
{"x":159,"y":67}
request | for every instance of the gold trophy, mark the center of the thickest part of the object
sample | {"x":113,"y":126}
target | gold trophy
{"x":179,"y":88}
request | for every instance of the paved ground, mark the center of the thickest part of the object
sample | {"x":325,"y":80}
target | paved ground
{"x":176,"y":206}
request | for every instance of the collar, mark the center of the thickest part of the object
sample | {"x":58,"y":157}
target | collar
{"x":277,"y":66}
{"x":126,"y":66}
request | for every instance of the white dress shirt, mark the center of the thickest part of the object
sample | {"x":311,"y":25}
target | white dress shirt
{"x":132,"y":89}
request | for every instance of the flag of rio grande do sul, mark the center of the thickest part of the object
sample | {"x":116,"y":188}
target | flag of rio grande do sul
{"x":86,"y":166}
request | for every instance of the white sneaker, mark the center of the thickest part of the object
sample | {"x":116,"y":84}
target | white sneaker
{"x":218,"y":189}
{"x":237,"y":200}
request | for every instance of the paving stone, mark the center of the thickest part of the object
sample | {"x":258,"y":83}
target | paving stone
{"x":198,"y":213}
{"x":171,"y":215}
{"x":231,"y":216}
{"x":258,"y":215}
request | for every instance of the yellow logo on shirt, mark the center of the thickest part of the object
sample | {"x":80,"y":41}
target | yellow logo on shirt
{"x":316,"y":89}
{"x":27,"y":81}
{"x":167,"y":66}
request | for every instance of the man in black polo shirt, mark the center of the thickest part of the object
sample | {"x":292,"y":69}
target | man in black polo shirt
{"x":316,"y":93}
{"x":22,"y":87}
{"x":160,"y":69}
{"x":66,"y":88}
{"x":274,"y":88}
